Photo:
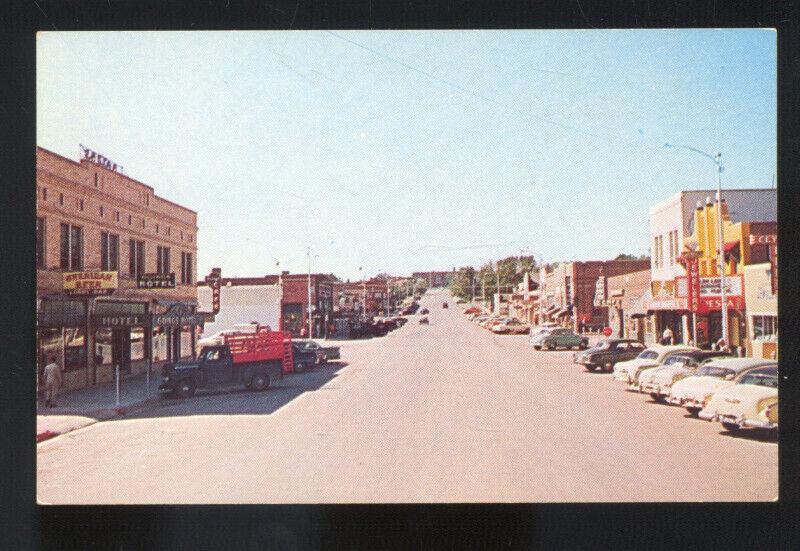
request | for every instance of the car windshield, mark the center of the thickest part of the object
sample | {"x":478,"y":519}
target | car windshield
{"x":715,"y":371}
{"x":602,"y":345}
{"x":672,"y":360}
{"x":760,"y":379}
{"x":648,"y":355}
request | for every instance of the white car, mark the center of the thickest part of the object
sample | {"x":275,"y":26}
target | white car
{"x":747,"y":402}
{"x":695,"y":391}
{"x":652,"y":356}
{"x":657,"y":381}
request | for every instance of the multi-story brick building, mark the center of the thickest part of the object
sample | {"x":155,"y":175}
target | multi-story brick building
{"x":97,"y":226}
{"x":350,"y":297}
{"x":435,"y":279}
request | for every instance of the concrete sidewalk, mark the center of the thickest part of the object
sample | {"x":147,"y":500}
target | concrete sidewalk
{"x":95,"y":403}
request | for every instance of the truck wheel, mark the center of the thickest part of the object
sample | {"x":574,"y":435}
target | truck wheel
{"x":186,"y":388}
{"x":655,"y":396}
{"x":260,"y":381}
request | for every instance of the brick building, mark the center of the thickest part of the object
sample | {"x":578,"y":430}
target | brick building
{"x":294,"y":298}
{"x":626,"y":298}
{"x":350,"y":297}
{"x":435,"y":279}
{"x":568,"y":289}
{"x":97,"y":226}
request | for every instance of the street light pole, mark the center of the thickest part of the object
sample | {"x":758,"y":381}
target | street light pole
{"x":720,"y":235}
{"x":497,"y":274}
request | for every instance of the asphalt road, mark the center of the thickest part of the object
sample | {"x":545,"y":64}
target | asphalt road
{"x":440,"y":413}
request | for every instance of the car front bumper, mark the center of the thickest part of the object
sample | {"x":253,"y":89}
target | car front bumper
{"x":759,"y":424}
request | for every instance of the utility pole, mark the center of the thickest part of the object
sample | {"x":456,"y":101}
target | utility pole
{"x":472,"y":277}
{"x":497,"y":274}
{"x":723,"y":293}
{"x":310,"y":335}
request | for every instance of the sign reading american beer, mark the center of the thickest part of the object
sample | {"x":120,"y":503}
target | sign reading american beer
{"x":90,"y":283}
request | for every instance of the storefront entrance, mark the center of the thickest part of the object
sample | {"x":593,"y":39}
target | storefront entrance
{"x":121,"y":349}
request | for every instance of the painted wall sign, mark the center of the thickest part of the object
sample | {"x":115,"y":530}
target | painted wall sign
{"x":90,"y":282}
{"x":119,"y":320}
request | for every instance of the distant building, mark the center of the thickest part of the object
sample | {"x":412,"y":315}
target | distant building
{"x":435,"y":279}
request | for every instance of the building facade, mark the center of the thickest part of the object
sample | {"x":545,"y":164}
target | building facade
{"x":625,"y":296}
{"x":362,"y":298}
{"x":115,"y":271}
{"x":435,"y":279}
{"x":294,"y":293}
{"x":567,"y":294}
{"x":671,"y":223}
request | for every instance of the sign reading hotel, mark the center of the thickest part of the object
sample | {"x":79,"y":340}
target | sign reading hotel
{"x":90,"y":283}
{"x":156,"y":281}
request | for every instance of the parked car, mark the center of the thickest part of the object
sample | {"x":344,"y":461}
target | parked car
{"x":328,"y":353}
{"x":424,"y":311}
{"x":606,"y":353}
{"x":472,"y":310}
{"x":305,"y":358}
{"x":658,"y":381}
{"x":694,"y":392}
{"x":651,"y":356}
{"x":511,"y":327}
{"x":424,"y":320}
{"x":556,"y":337}
{"x":444,"y":305}
{"x":747,"y":402}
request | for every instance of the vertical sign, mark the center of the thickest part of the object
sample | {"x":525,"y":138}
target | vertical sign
{"x":215,"y":296}
{"x":773,"y":273}
{"x":693,"y":283}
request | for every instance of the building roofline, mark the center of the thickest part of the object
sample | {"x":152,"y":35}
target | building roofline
{"x":151,"y":188}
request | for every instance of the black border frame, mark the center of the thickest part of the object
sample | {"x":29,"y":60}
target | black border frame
{"x":606,"y":526}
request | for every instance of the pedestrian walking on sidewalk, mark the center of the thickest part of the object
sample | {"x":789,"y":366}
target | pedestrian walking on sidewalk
{"x":52,"y":381}
{"x":667,"y":337}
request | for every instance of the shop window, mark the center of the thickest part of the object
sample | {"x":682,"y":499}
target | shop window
{"x":109,"y":308}
{"x":159,"y":344}
{"x":186,"y":342}
{"x":186,"y":268}
{"x":759,"y":254}
{"x":765,"y":328}
{"x":80,"y":204}
{"x":44,"y":194}
{"x":40,"y":241}
{"x":137,"y":344}
{"x":49,"y":346}
{"x":102,"y":211}
{"x":103,"y":346}
{"x":116,"y":216}
{"x":95,"y":179}
{"x":130,"y":219}
{"x":74,"y":348}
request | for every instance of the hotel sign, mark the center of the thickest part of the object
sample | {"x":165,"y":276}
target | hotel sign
{"x":90,"y":283}
{"x":156,"y":281}
{"x":98,"y":159}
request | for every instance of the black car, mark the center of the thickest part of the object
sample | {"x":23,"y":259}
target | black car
{"x":423,"y":321}
{"x":608,"y":352}
{"x":424,"y":311}
{"x":328,"y":353}
{"x":444,"y":305}
{"x":305,"y":358}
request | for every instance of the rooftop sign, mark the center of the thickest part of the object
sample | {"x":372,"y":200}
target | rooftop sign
{"x":98,"y":159}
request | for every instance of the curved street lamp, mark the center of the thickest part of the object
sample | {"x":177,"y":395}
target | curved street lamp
{"x":721,"y":250}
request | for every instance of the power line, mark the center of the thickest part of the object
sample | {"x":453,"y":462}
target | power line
{"x":482,"y":97}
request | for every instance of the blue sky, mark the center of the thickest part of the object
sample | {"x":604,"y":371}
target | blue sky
{"x":413,"y":150}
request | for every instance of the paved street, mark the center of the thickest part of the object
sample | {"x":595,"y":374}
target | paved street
{"x":439,"y":413}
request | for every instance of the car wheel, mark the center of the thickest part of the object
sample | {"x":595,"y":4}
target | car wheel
{"x":582,"y":345}
{"x":590,"y":367}
{"x":260,"y":381}
{"x":655,"y":396}
{"x":186,"y":388}
{"x":550,"y":346}
{"x":609,"y":367}
{"x":537,"y":347}
{"x":693,"y":411}
{"x":730,"y":426}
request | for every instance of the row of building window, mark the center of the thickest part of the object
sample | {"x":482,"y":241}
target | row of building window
{"x":658,"y":249}
{"x":117,"y":216}
{"x":71,"y":252}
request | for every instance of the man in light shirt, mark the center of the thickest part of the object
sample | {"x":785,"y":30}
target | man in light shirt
{"x":52,"y":381}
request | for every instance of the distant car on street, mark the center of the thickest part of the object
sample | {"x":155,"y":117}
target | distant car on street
{"x":511,"y":327}
{"x":606,"y":353}
{"x":444,"y":305}
{"x":424,"y":320}
{"x":559,"y":337}
{"x":424,"y":311}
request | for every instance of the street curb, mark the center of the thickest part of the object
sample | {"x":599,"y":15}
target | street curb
{"x":99,"y":415}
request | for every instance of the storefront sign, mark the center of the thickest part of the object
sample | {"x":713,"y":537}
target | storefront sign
{"x":710,"y":286}
{"x":709,"y":304}
{"x":178,"y":315}
{"x":763,"y":239}
{"x":90,"y":283}
{"x":693,"y":284}
{"x":133,"y":320}
{"x":156,"y":281}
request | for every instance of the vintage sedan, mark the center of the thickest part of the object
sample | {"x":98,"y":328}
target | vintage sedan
{"x":748,"y":402}
{"x":558,"y":337}
{"x":694,"y":392}
{"x":511,"y":327}
{"x":327,"y":353}
{"x":606,"y":353}
{"x":652,"y":356}
{"x":657,"y":381}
